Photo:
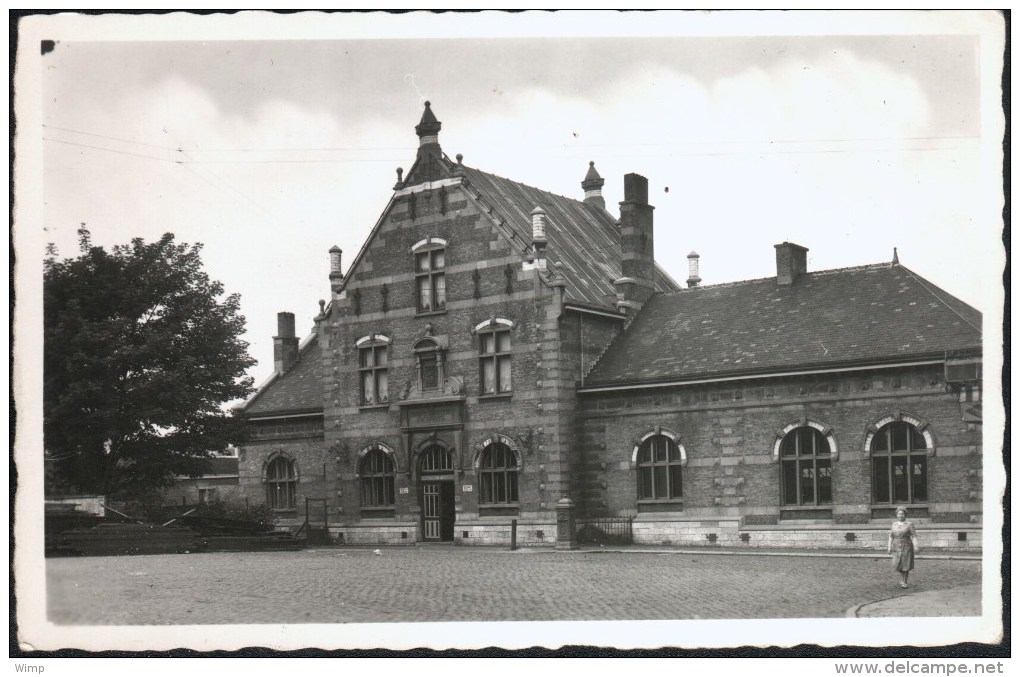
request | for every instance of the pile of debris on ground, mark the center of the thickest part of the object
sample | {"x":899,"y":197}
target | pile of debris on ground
{"x":73,"y":532}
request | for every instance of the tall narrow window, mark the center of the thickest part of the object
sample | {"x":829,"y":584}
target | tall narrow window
{"x":495,"y":362}
{"x":899,"y":464}
{"x":372,"y":368}
{"x":281,"y":484}
{"x":429,"y":364}
{"x":377,"y":479}
{"x":806,"y":461}
{"x":497,"y":474}
{"x":430,"y":279}
{"x":659,"y":466}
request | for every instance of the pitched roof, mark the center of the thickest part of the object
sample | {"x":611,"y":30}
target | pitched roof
{"x":876,"y":313}
{"x":298,"y":390}
{"x":581,"y":236}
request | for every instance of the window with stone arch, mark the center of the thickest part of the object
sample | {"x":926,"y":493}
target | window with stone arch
{"x":378,"y":477}
{"x":805,"y":459}
{"x":281,"y":483}
{"x":899,"y":450}
{"x":429,"y":367}
{"x":660,"y":458}
{"x":495,"y":361}
{"x":497,"y":474}
{"x":430,"y":274}
{"x":373,"y":369}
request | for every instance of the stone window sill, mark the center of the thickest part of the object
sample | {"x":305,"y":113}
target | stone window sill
{"x":646,"y":505}
{"x":430,"y":313}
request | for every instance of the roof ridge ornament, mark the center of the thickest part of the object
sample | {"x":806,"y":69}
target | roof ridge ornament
{"x":429,"y":125}
{"x":592,"y":187}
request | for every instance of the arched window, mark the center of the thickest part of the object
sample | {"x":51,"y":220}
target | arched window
{"x":899,"y":464}
{"x":377,"y":479}
{"x":497,"y":474}
{"x":659,"y":465}
{"x":281,"y":483}
{"x":806,"y":461}
{"x":436,"y":460}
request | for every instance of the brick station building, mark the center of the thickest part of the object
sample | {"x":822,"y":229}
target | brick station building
{"x":494,"y":348}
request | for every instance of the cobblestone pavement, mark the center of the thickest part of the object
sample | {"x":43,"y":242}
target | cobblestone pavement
{"x":471,"y":584}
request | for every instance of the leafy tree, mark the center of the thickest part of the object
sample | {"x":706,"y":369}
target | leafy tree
{"x":140,"y":352}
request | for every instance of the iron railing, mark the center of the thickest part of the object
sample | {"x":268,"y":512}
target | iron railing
{"x":604,"y":530}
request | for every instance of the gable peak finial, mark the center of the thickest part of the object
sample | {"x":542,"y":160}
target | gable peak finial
{"x":592,"y":186}
{"x":428,"y":128}
{"x":895,"y":257}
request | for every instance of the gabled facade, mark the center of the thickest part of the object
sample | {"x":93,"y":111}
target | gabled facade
{"x":494,"y":347}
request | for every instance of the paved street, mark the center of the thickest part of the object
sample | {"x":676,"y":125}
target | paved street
{"x":471,"y":584}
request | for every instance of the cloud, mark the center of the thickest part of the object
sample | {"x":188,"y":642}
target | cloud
{"x":807,"y":148}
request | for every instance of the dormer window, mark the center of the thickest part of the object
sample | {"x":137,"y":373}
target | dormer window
{"x":430,"y":274}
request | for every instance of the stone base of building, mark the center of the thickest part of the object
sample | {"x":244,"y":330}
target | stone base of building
{"x":730,"y":533}
{"x":529,"y":533}
{"x":392,"y":533}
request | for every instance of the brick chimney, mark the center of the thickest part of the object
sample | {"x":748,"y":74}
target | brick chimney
{"x":285,"y":343}
{"x":637,"y":244}
{"x":592,"y":186}
{"x":791,"y":263}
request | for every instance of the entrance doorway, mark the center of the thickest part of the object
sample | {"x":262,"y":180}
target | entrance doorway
{"x":437,"y":510}
{"x":437,"y":494}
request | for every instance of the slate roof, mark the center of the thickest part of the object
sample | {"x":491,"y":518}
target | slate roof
{"x":583,"y":237}
{"x":870,"y":314}
{"x":297,"y":391}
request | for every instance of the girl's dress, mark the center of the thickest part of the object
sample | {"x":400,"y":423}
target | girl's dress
{"x":903,"y":546}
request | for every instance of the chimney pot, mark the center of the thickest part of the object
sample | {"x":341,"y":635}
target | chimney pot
{"x":336,"y":275}
{"x":538,"y":224}
{"x":693,"y":280}
{"x":285,"y":325}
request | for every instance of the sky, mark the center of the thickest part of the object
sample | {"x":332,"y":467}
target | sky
{"x":849,"y":134}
